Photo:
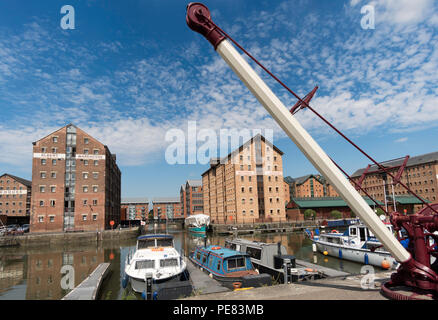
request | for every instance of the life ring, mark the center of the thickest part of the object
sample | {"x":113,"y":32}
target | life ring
{"x":335,"y":231}
{"x":215,"y":248}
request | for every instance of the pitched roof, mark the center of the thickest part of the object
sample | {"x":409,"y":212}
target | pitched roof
{"x":417,"y":160}
{"x":301,"y":180}
{"x":408,"y":199}
{"x":27,"y":183}
{"x":166,"y":200}
{"x":134,"y":200}
{"x":326,"y":202}
{"x":194,"y":183}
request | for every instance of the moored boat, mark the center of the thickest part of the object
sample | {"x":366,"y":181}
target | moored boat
{"x":270,"y":258}
{"x":232,"y":268}
{"x":155,"y":257}
{"x":198,"y":223}
{"x":356,"y":244}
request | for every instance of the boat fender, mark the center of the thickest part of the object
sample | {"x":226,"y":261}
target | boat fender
{"x":385,"y":264}
{"x":257,"y":270}
{"x":237,"y":285}
{"x":211,"y":275}
{"x":340,"y":254}
{"x":366,"y":258}
{"x":335,"y":231}
{"x":325,"y":252}
{"x":215,"y":248}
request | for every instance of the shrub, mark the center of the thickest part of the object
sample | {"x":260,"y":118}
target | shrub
{"x":335,"y":214}
{"x":309,"y":213}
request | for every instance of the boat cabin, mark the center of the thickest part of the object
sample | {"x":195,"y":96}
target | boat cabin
{"x":221,"y":261}
{"x":260,"y":252}
{"x":154,"y":241}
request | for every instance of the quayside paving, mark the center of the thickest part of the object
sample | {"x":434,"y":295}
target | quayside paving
{"x":340,"y":288}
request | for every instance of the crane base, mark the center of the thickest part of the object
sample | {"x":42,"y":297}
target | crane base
{"x":394,"y":291}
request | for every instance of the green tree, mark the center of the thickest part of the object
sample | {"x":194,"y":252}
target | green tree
{"x":151,"y":215}
{"x":309,"y":213}
{"x":379,"y":212}
{"x":335,"y":214}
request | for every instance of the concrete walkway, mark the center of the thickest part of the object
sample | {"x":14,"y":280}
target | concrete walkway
{"x":202,"y":283}
{"x":343,"y":288}
{"x":88,"y":289}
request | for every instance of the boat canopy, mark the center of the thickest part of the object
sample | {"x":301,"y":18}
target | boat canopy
{"x":198,"y":220}
{"x":154,"y":240}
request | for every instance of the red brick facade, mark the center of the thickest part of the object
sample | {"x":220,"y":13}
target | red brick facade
{"x":15,"y":198}
{"x":76,"y":183}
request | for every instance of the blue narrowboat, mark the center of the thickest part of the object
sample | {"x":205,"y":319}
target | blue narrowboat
{"x":232,"y":268}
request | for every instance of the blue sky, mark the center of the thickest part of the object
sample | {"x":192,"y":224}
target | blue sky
{"x":131,"y":71}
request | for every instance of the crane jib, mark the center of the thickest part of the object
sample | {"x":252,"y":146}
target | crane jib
{"x":198,"y":19}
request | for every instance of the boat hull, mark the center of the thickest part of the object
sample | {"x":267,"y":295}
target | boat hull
{"x":202,"y":229}
{"x":139,"y":285}
{"x":362,"y":256}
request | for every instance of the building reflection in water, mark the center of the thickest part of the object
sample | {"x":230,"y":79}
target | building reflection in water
{"x":44,"y":272}
{"x":12,"y":271}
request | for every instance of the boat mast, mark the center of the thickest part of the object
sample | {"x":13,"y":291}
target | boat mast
{"x":198,"y":19}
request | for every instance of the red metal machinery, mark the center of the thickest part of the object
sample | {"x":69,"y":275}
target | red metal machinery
{"x":416,"y":275}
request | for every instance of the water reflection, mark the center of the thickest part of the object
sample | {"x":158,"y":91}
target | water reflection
{"x":36,"y":273}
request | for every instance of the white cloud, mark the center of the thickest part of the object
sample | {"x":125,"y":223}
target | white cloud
{"x":403,"y":11}
{"x":404,"y":139}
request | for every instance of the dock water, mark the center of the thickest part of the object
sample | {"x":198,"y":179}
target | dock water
{"x":89,"y":288}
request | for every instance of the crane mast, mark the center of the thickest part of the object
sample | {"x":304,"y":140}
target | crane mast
{"x":416,"y":270}
{"x":294,"y":130}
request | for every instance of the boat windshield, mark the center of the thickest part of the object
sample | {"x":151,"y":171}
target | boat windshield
{"x":145,"y":264}
{"x":169,"y":263}
{"x":164,"y":242}
{"x":146,"y":243}
{"x":153,"y":242}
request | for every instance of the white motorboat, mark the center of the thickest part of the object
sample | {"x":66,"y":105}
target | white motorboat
{"x":155,"y":257}
{"x":357,"y":244}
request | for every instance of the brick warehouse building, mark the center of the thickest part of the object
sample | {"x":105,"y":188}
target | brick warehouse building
{"x":167,"y":208}
{"x":191,"y":197}
{"x":75,"y":182}
{"x":420,"y":174}
{"x":15,"y":199}
{"x":310,"y":186}
{"x":246,"y":185}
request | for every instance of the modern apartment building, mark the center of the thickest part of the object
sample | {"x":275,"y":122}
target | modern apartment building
{"x":420,"y":174}
{"x":310,"y":186}
{"x":134,"y":209}
{"x":167,"y":208}
{"x":15,"y":198}
{"x":246,"y":185}
{"x":75,"y":183}
{"x":191,"y":197}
